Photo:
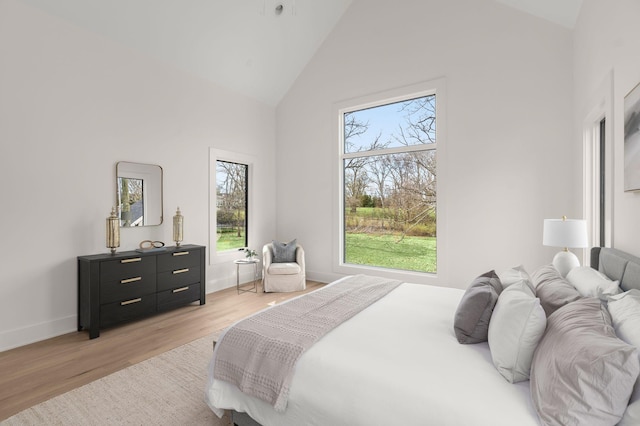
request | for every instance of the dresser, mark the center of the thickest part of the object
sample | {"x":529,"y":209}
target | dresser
{"x":114,"y":288}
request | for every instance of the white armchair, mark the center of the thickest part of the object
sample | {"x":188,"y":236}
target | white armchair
{"x":283,"y":277}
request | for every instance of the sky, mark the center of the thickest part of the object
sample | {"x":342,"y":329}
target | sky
{"x":384,"y":120}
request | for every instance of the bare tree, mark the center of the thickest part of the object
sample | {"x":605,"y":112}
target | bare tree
{"x":404,"y":182}
{"x":421,"y":121}
{"x":232,"y":191}
{"x":414,"y":174}
{"x":355,"y":176}
{"x":380,"y":168}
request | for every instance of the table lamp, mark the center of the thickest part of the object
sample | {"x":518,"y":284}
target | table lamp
{"x":565,"y":233}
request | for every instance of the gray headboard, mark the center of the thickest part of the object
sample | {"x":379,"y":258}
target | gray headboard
{"x":617,"y":265}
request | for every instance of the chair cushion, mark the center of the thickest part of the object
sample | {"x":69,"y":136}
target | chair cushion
{"x":284,"y":252}
{"x":288,"y":268}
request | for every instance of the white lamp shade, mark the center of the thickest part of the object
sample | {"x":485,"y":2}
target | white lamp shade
{"x":568,"y":233}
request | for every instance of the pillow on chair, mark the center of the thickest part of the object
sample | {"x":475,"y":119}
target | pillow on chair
{"x":284,"y":252}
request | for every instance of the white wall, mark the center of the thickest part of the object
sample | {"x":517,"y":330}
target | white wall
{"x":72,"y":104}
{"x":509,"y":163}
{"x":607,"y":41}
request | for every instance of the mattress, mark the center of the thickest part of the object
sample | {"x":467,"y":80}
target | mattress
{"x":396,"y":362}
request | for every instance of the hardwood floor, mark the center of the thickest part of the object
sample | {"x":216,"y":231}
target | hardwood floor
{"x":35,"y":373}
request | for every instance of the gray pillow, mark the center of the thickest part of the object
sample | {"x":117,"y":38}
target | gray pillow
{"x":284,"y":252}
{"x":552,"y":289}
{"x":471,"y":322}
{"x":581,"y":373}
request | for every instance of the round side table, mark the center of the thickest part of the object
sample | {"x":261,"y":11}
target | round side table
{"x":253,"y":262}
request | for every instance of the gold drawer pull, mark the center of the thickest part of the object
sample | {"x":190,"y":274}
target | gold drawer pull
{"x":181,"y":253}
{"x":180,"y":271}
{"x":178,"y":290}
{"x":133,"y":259}
{"x":130,"y":280}
{"x":129,"y":302}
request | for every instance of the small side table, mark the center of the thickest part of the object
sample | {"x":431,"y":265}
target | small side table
{"x":253,"y":262}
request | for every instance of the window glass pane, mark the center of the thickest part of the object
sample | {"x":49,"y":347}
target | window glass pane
{"x":390,"y":198}
{"x":406,"y":123}
{"x":231,"y":205}
{"x":390,"y":211}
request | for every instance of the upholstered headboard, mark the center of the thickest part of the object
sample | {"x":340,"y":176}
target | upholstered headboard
{"x":617,"y":265}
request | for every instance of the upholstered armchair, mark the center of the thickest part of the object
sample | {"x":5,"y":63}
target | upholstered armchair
{"x":283,"y":276}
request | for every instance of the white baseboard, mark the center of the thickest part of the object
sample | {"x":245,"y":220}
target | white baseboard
{"x":34,"y":333}
{"x":323,"y":277}
{"x":227,"y":282}
{"x":230,"y":281}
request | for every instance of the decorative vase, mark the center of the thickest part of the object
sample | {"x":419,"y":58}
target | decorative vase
{"x":178,"y":223}
{"x":113,"y":231}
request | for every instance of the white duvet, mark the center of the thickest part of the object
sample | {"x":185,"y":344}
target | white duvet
{"x":395,"y":363}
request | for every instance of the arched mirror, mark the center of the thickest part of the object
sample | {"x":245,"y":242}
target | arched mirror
{"x":139,"y":194}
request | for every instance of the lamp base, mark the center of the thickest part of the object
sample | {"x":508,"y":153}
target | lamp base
{"x":564,"y":261}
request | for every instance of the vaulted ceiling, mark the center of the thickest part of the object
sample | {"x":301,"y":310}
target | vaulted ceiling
{"x":254,"y":47}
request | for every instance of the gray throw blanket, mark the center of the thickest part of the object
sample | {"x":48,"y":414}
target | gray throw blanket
{"x":258,"y":354}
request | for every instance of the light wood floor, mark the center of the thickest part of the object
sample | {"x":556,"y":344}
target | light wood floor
{"x":35,"y":373}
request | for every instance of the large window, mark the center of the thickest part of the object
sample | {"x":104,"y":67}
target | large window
{"x":389,"y":186}
{"x":231,"y":205}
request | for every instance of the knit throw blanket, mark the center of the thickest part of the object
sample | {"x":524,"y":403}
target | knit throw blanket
{"x":258,"y":354}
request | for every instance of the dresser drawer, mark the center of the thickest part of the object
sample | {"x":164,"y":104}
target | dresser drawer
{"x":116,"y":270}
{"x":178,"y":278}
{"x":178,"y":296}
{"x":112,"y":313}
{"x":127,"y":288}
{"x":178,"y":260}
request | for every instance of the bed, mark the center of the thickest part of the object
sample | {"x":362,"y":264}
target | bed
{"x":398,"y":361}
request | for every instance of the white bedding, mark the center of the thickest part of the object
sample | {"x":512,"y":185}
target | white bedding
{"x":396,"y":362}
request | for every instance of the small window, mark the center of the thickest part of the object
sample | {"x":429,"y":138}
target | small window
{"x":231,"y":205}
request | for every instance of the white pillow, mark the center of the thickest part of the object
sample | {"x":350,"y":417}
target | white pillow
{"x":592,"y":283}
{"x":515,"y":275}
{"x":625,"y":317}
{"x":517,"y":325}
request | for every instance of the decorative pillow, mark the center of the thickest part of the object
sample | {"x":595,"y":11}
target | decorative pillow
{"x":284,"y":252}
{"x":581,"y":373}
{"x":517,"y":325}
{"x":515,"y":275}
{"x":471,"y":322}
{"x":592,"y":283}
{"x":631,"y":417}
{"x":625,"y":316}
{"x":553,"y":290}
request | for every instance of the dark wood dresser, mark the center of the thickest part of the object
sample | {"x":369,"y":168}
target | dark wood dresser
{"x":113,"y":288}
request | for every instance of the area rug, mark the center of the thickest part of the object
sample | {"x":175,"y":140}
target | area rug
{"x":167,"y":389}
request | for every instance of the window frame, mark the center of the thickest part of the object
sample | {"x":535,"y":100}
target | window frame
{"x":598,"y":184}
{"x":216,"y":155}
{"x":433,"y":87}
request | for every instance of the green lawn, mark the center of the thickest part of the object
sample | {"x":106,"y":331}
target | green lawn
{"x":229,"y":241}
{"x":410,"y":254}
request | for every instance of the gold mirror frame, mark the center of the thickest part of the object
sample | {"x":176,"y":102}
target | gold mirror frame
{"x":139,"y":194}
